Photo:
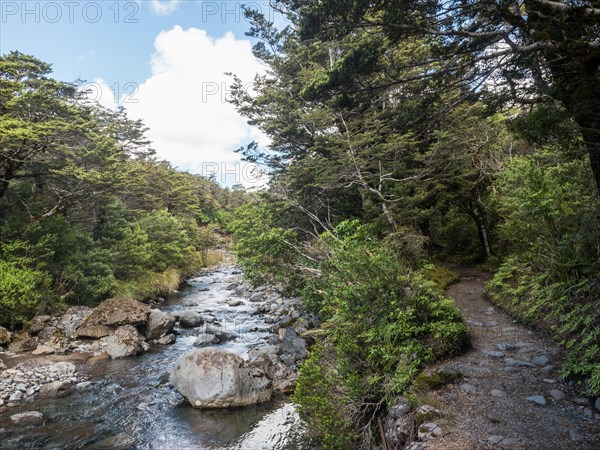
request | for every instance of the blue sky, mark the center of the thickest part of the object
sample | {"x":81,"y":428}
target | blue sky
{"x":170,"y":55}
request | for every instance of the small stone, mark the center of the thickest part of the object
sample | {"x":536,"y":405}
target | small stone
{"x":498,"y":393}
{"x":508,"y":441}
{"x":16,"y":396}
{"x":475,"y":324}
{"x":576,"y":435}
{"x":166,"y":340}
{"x":416,"y":446}
{"x":581,"y":401}
{"x":429,"y":430}
{"x":597,"y":404}
{"x":557,"y":394}
{"x":494,"y":354}
{"x":234,"y":303}
{"x":505,"y":346}
{"x":546,"y":369}
{"x":495,"y":439}
{"x":540,"y":360}
{"x":426,"y":413}
{"x":256,"y":297}
{"x":83,"y":385}
{"x":27,"y":418}
{"x":588,"y":413}
{"x":549,"y":380}
{"x":491,"y":323}
{"x":489,"y":311}
{"x":43,"y":350}
{"x":539,"y":399}
{"x":511,"y":362}
{"x":401,"y":407}
{"x":468,"y":388}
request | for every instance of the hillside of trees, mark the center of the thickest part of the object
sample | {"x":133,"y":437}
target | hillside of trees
{"x":87,"y":211}
{"x":407,"y":134}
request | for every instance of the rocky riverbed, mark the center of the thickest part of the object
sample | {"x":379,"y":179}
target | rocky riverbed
{"x":90,"y":373}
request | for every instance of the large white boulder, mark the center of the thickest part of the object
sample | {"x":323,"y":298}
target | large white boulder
{"x":159,"y":323}
{"x":126,"y":341}
{"x":215,"y":378}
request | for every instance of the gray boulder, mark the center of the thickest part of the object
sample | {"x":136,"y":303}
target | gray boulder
{"x":4,"y":336}
{"x":190,"y":319}
{"x":56,"y":389}
{"x":23,"y":342}
{"x":126,"y":341}
{"x":214,"y":378}
{"x":159,"y":323}
{"x":37,"y":324}
{"x":113,"y":313}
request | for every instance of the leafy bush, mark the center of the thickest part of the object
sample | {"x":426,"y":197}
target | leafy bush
{"x":23,"y":293}
{"x":382,"y":322}
{"x":551,"y":278}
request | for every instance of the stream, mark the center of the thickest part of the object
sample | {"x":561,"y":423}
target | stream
{"x":131,"y":405}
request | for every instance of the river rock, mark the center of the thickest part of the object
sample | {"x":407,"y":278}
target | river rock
{"x":222,"y":335}
{"x":23,"y":342}
{"x":166,"y":340}
{"x":27,"y":418}
{"x":73,"y":319}
{"x":234,"y":303}
{"x":159,"y":323}
{"x":428,"y":431}
{"x":206,"y":339}
{"x":190,"y":319}
{"x":37,"y":324}
{"x":214,"y":378}
{"x":539,"y":399}
{"x":256,"y":297}
{"x":43,"y":350}
{"x":124,"y":342}
{"x":56,"y":389}
{"x":4,"y":336}
{"x":62,"y":368}
{"x":113,"y":313}
{"x":292,"y":344}
{"x":52,"y":337}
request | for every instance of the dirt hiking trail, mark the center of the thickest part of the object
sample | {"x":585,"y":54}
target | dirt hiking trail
{"x":512,"y":395}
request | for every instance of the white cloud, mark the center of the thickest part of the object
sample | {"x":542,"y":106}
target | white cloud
{"x":183,"y":102}
{"x":164,"y":7}
{"x":99,"y":91}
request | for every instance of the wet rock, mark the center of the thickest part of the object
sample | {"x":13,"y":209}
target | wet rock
{"x":56,"y":389}
{"x":4,"y":336}
{"x":23,"y":342}
{"x":166,"y":340}
{"x":43,"y":350}
{"x":221,"y":334}
{"x":557,"y":394}
{"x":214,"y":378}
{"x":159,"y":323}
{"x":264,"y":350}
{"x":16,"y":396}
{"x":206,"y":339}
{"x":190,"y":319}
{"x":124,"y":342}
{"x":83,"y":385}
{"x":256,"y":297}
{"x":27,"y":418}
{"x":113,"y":313}
{"x":539,"y":399}
{"x":232,"y":286}
{"x":37,"y":324}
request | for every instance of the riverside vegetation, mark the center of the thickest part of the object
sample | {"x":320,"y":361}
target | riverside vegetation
{"x":87,"y":212}
{"x":401,"y":135}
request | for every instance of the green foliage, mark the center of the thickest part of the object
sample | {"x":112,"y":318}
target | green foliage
{"x":551,"y":280}
{"x":265,"y":250}
{"x":24,"y":291}
{"x":382,"y":323}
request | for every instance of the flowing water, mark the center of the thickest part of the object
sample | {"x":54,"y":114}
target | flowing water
{"x":131,"y":405}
